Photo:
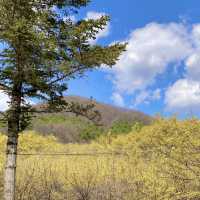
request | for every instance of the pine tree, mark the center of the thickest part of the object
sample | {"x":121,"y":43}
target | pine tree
{"x":41,"y":50}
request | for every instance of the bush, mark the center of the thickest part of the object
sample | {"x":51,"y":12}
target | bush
{"x":91,"y":132}
{"x":124,"y":127}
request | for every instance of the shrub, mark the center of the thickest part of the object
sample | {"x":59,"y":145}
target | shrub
{"x":124,"y":127}
{"x":159,"y":161}
{"x":91,"y":132}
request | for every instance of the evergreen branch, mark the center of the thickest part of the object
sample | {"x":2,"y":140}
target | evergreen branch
{"x":4,"y":87}
{"x":64,"y":76}
{"x":86,"y":111}
{"x":2,"y":114}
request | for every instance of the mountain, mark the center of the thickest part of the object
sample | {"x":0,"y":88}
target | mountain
{"x":67,"y":127}
{"x":111,"y":113}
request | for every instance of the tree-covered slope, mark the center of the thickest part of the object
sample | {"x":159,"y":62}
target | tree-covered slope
{"x":67,"y":127}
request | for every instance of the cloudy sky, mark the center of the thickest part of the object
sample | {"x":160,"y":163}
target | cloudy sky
{"x":159,"y":72}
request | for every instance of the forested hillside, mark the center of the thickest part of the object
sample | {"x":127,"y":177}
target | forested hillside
{"x":158,"y":161}
{"x":68,"y":127}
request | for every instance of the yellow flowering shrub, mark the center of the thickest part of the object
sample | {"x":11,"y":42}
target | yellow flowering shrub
{"x":159,"y":162}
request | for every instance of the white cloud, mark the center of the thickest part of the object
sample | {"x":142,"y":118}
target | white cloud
{"x":145,"y":97}
{"x":196,"y":35}
{"x":150,"y":50}
{"x":142,"y":98}
{"x":193,"y":61}
{"x":193,"y":66}
{"x":118,"y":99}
{"x":102,"y":33}
{"x":3,"y":101}
{"x":183,"y":97}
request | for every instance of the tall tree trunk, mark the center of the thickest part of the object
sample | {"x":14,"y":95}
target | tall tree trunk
{"x":12,"y":142}
{"x":10,"y":168}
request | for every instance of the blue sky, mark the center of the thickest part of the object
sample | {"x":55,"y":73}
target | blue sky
{"x":159,"y":72}
{"x":167,"y":32}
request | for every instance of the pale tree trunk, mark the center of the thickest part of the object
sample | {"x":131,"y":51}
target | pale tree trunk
{"x":13,"y":120}
{"x":11,"y":151}
{"x":10,"y":168}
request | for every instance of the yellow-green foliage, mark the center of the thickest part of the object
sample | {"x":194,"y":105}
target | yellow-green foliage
{"x":162,"y":161}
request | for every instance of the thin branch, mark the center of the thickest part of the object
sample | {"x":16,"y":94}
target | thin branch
{"x":68,"y":74}
{"x":4,"y":87}
{"x":2,"y":114}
